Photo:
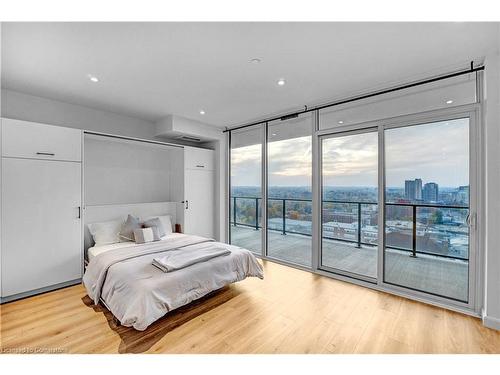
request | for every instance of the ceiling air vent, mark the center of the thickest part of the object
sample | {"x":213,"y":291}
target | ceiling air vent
{"x":188,"y":138}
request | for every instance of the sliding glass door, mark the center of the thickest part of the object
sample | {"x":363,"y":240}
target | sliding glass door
{"x":289,"y":190}
{"x":246,"y":188}
{"x":349,"y":204}
{"x":427,"y":208}
{"x":393,"y":200}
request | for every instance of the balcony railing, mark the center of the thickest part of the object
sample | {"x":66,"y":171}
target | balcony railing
{"x":283,"y":228}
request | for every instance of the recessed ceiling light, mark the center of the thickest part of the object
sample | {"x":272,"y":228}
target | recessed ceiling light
{"x":281,"y":82}
{"x":341,"y":122}
{"x":273,"y":134}
{"x":255,"y":60}
{"x":93,"y":78}
{"x":449,"y":101}
{"x":202,"y":112}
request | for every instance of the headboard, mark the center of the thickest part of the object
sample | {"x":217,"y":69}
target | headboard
{"x":98,"y":213}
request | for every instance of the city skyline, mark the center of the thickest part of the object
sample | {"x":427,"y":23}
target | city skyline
{"x":341,"y":187}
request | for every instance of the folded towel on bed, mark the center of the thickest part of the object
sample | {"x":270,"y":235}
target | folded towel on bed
{"x":177,"y":259}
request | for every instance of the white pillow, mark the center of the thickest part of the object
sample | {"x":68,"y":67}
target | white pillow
{"x":166,"y":221}
{"x":106,"y":233}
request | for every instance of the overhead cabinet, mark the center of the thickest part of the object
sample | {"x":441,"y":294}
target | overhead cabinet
{"x":199,"y":159}
{"x":22,"y":139}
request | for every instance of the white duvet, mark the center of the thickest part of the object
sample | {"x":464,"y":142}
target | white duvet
{"x":138,"y":293}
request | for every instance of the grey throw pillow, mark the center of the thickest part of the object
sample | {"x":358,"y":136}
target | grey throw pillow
{"x":155,"y":222}
{"x":128,"y":227}
{"x":143,"y":235}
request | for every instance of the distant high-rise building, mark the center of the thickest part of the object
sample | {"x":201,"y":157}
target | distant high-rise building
{"x":418,"y":189}
{"x":409,"y":189}
{"x":413,"y":189}
{"x":430,"y":192}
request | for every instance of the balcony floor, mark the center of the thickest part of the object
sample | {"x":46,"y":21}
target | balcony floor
{"x":442,"y":276}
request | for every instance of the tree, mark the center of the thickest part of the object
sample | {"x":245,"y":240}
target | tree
{"x":436,"y":217}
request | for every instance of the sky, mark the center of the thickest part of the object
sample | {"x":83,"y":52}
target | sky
{"x":436,"y":152}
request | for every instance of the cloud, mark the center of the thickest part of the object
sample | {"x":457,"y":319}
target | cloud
{"x":290,"y":162}
{"x":437,"y":152}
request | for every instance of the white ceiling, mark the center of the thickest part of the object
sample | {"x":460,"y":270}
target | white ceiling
{"x":150,"y":70}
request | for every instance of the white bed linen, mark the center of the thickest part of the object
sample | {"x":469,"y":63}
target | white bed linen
{"x":96,"y":250}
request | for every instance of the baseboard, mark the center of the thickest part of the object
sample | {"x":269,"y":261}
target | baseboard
{"x":490,"y":322}
{"x":46,"y":289}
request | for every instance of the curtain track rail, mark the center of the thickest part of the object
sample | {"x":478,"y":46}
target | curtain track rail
{"x":361,"y":97}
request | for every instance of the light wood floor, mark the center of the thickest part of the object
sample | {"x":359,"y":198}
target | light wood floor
{"x":291,"y":311}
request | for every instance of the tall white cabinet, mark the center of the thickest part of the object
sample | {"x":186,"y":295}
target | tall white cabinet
{"x":199,"y":192}
{"x":41,"y":199}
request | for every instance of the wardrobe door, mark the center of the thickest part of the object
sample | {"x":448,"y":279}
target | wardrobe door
{"x":41,"y":230}
{"x":200,"y":195}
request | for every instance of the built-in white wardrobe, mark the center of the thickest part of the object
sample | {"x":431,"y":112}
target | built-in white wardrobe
{"x":51,"y":176}
{"x":41,"y":245}
{"x":199,"y":191}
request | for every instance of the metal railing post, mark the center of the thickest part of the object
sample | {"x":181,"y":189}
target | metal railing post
{"x":359,"y":225}
{"x":284,"y":217}
{"x":234,"y":211}
{"x":256,"y":213}
{"x":414,"y":234}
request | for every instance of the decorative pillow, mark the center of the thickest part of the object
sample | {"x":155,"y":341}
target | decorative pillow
{"x":155,"y":222}
{"x":105,"y":233}
{"x":128,"y":227}
{"x":166,"y":222}
{"x":143,"y":235}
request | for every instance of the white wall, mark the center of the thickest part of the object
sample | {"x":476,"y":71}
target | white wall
{"x":26,"y":107}
{"x":491,"y":313}
{"x":119,"y":171}
{"x":1,"y":97}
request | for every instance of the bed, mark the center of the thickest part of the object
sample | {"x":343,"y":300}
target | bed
{"x":137,"y":293}
{"x":123,"y":278}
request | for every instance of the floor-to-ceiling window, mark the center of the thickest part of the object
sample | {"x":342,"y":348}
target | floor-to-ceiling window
{"x":349,"y":204}
{"x":427,"y":207}
{"x":246,"y":188}
{"x":289,"y":189}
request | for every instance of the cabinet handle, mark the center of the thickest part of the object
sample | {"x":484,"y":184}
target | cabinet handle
{"x":46,"y":153}
{"x":187,"y":204}
{"x":79,"y":212}
{"x":200,"y":166}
